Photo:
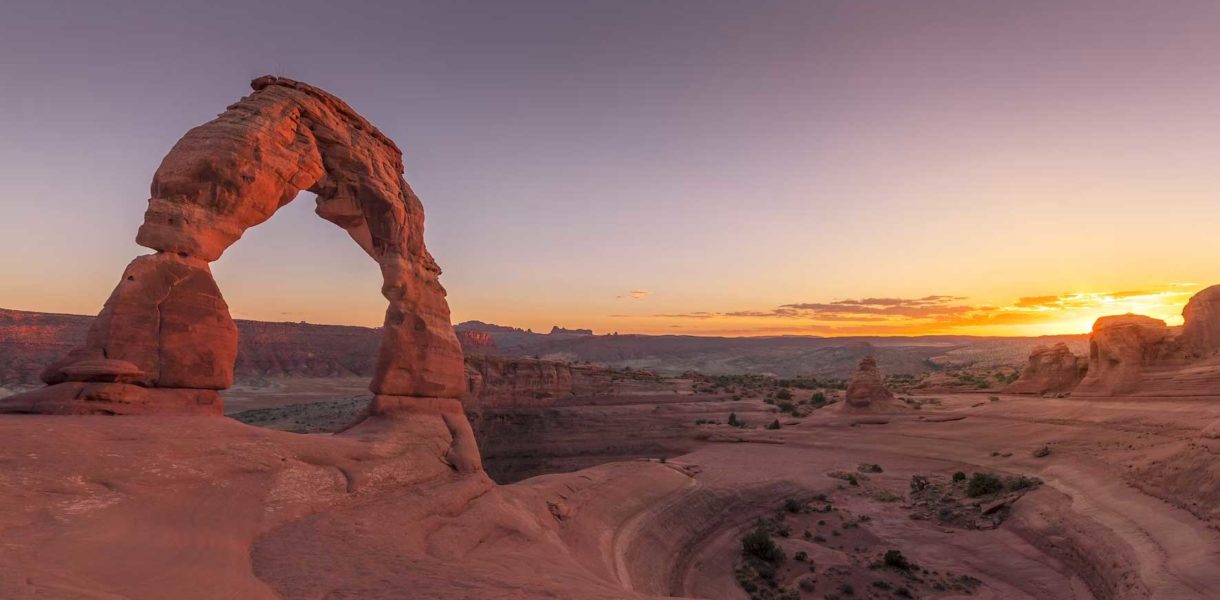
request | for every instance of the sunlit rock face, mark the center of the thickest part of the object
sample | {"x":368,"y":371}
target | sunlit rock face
{"x":1051,"y":370}
{"x":1120,"y":348}
{"x":1201,"y":330}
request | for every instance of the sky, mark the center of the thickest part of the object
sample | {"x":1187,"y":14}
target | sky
{"x":666,"y":167}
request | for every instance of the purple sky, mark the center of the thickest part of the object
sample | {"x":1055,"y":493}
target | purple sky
{"x":720,"y":156}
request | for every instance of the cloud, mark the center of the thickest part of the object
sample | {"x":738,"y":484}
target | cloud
{"x":636,"y":294}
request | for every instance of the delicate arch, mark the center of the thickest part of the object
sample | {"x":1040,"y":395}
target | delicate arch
{"x":164,"y":342}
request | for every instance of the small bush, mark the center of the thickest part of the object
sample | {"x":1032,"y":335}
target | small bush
{"x":758,"y":544}
{"x":783,"y":394}
{"x":959,"y":476}
{"x":818,"y":399}
{"x":919,"y":483}
{"x":869,"y":468}
{"x":773,"y":424}
{"x":895,"y":559}
{"x":982,"y":484}
{"x":801,"y":556}
{"x":793,"y":505}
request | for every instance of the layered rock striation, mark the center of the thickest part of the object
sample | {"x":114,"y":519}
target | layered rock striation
{"x":494,"y":382}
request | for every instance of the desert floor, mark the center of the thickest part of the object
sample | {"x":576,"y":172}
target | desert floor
{"x":155,"y":507}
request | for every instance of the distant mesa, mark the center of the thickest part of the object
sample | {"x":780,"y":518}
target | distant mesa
{"x":1051,"y":370}
{"x":482,"y":327}
{"x":866,"y":389}
{"x":557,"y":330}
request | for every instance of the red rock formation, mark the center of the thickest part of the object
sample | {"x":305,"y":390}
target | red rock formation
{"x":475,"y":341}
{"x":1051,"y":370}
{"x":1120,"y":348}
{"x":168,"y":318}
{"x":1201,"y":330}
{"x":493,"y":382}
{"x":866,"y":388}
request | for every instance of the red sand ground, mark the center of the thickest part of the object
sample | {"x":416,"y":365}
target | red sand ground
{"x":159,"y":507}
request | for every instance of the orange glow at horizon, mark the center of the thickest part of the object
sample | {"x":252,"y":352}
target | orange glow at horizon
{"x":1072,"y":313}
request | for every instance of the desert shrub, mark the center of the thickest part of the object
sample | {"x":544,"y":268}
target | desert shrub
{"x":758,"y":544}
{"x":793,"y":505}
{"x":847,"y":589}
{"x":895,"y":559}
{"x":959,"y":476}
{"x":982,"y":484}
{"x":818,"y":399}
{"x":783,"y":394}
{"x":734,"y":422}
{"x":787,"y":407}
{"x":869,"y":468}
{"x":1020,"y":482}
{"x":919,"y":483}
{"x":773,"y":424}
{"x":801,"y":556}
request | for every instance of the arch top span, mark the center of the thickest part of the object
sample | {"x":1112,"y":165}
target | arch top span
{"x":164,"y":342}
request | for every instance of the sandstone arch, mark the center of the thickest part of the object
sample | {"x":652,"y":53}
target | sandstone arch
{"x":165,"y":343}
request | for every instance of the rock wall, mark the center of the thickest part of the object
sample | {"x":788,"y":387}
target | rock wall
{"x":493,"y":382}
{"x":1051,"y":370}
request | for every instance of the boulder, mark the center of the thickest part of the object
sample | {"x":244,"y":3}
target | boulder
{"x":1051,"y":370}
{"x":866,"y":389}
{"x":1121,"y":347}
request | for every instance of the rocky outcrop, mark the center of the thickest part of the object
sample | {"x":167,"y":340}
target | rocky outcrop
{"x":866,"y":388}
{"x":167,"y":316}
{"x":1201,"y":329}
{"x":1120,"y":349}
{"x":1051,"y":370}
{"x":475,"y":341}
{"x":493,"y":382}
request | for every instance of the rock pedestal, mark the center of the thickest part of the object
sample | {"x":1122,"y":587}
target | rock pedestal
{"x":866,"y":389}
